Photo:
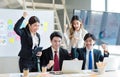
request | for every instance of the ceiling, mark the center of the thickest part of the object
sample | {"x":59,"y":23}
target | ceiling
{"x":16,"y":4}
{"x":9,"y":4}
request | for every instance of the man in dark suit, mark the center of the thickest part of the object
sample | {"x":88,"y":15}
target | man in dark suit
{"x":88,"y":53}
{"x":48,"y":56}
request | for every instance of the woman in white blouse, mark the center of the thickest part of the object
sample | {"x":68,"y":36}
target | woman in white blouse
{"x":75,"y":34}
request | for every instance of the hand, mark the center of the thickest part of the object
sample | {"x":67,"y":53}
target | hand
{"x":75,"y":59}
{"x":65,"y":28}
{"x":25,"y":14}
{"x":74,"y":41}
{"x":104,"y":46}
{"x":50,"y":64}
{"x":39,"y":54}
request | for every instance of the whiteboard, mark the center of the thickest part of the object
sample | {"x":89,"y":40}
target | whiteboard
{"x":10,"y":41}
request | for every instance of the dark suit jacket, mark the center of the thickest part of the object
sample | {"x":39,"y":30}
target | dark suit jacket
{"x":48,"y":55}
{"x":26,"y":40}
{"x":97,"y":56}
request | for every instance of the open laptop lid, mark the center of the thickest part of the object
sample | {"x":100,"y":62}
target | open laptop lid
{"x":111,"y":63}
{"x":72,"y":66}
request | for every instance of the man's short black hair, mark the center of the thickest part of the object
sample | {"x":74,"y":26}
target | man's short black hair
{"x":89,"y":35}
{"x":55,"y":34}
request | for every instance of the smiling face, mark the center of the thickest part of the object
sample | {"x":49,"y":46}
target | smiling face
{"x":34,"y":27}
{"x":89,"y":43}
{"x":56,"y":42}
{"x":76,"y":24}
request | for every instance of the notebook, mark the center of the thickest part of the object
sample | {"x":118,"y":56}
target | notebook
{"x":72,"y":66}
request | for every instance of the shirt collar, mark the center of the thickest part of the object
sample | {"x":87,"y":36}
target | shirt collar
{"x":54,"y":50}
{"x":89,"y":50}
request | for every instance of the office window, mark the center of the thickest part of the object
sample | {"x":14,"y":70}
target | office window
{"x":113,"y":5}
{"x":98,"y":5}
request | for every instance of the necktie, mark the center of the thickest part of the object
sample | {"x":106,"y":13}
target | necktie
{"x":56,"y":62}
{"x":90,"y":60}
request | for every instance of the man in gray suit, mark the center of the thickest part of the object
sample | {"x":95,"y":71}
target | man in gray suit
{"x":88,"y":54}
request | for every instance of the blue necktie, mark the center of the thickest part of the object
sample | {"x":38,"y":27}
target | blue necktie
{"x":90,"y":60}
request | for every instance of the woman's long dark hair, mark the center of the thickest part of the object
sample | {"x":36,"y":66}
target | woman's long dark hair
{"x":32,"y":20}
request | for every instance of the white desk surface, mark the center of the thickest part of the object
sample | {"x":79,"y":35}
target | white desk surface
{"x":83,"y":74}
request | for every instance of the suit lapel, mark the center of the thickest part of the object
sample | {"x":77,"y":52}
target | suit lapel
{"x":84,"y":54}
{"x":60,"y":55}
{"x":51,"y":53}
{"x":95,"y":55}
{"x":83,"y":58}
{"x":38,"y":38}
{"x":29,"y":37}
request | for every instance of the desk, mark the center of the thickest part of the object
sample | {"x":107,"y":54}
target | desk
{"x":106,"y":74}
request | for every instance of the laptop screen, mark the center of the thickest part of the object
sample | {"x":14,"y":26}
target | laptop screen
{"x":111,"y":63}
{"x":72,"y":66}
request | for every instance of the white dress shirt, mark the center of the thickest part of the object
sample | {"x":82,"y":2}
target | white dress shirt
{"x":53,"y":52}
{"x":79,"y":34}
{"x":87,"y":59}
{"x":35,"y":40}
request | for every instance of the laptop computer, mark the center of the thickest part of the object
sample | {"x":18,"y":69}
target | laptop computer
{"x":72,"y":66}
{"x":111,"y":63}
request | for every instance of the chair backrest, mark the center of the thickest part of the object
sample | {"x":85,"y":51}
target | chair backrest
{"x":9,"y":65}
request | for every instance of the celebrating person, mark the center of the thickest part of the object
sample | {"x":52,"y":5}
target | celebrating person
{"x":53,"y":56}
{"x":88,"y":54}
{"x":75,"y":35}
{"x":30,"y":39}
